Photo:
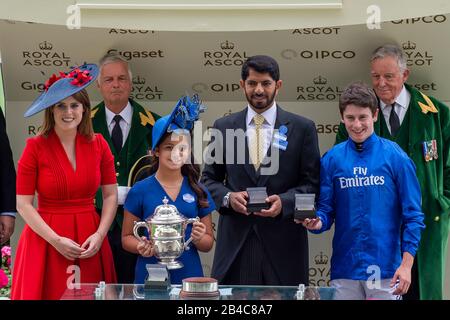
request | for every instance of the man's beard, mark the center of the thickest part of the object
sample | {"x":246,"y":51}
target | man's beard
{"x":261,"y":104}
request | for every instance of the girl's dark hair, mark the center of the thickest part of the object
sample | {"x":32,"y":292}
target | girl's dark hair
{"x":192,"y":171}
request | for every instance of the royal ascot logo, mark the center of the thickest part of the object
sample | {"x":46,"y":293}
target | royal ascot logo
{"x":45,"y":56}
{"x":316,"y":31}
{"x":440,"y":18}
{"x":416,"y":57}
{"x":225,"y":56}
{"x":290,"y":54}
{"x":144,"y":54}
{"x":201,"y":87}
{"x":143,"y":91}
{"x":128,"y":31}
{"x":320,"y":90}
{"x":319,"y":273}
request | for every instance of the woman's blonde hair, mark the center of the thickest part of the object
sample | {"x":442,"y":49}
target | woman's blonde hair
{"x":84,"y":128}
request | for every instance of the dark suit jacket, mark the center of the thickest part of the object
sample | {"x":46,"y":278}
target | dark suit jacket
{"x":285,"y":242}
{"x":7,"y":171}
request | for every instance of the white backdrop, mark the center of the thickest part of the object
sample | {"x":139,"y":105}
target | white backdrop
{"x":316,"y":64}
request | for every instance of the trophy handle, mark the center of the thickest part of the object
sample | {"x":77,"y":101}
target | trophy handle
{"x":137,"y":226}
{"x":191,"y":220}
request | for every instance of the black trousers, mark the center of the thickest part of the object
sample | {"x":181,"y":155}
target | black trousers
{"x":251,"y":266}
{"x":124,"y":261}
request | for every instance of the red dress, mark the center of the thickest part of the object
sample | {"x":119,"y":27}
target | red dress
{"x":66,"y":204}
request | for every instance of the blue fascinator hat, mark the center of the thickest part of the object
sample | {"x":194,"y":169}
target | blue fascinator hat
{"x":58,"y":88}
{"x":183,"y":116}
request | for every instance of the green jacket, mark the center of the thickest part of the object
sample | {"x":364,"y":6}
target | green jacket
{"x":138,"y":144}
{"x":426,"y":119}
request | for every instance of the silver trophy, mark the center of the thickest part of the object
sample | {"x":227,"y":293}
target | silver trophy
{"x":166,"y":228}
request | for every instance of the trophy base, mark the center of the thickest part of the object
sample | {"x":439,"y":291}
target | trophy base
{"x":172,"y":265}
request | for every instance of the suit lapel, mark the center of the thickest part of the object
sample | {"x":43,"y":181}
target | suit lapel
{"x":138,"y":130}
{"x":282,"y":119}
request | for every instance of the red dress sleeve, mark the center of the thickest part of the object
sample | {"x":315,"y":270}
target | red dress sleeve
{"x":27,"y":169}
{"x":107,"y":169}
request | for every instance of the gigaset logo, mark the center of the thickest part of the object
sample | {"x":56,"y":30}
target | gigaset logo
{"x":129,"y":55}
{"x":28,"y":85}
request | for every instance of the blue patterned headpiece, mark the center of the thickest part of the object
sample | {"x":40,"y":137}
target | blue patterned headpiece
{"x":183,"y":116}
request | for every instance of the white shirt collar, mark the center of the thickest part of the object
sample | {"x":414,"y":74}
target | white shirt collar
{"x":402,"y":100}
{"x":126,"y":114}
{"x":270,"y":115}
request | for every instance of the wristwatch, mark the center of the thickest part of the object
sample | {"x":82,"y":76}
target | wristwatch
{"x":226,"y":200}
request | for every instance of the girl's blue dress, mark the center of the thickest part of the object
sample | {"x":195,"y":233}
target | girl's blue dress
{"x":142,"y":200}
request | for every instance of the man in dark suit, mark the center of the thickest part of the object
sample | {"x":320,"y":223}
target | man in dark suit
{"x":127,"y":127}
{"x":281,"y":153}
{"x":7,"y":185}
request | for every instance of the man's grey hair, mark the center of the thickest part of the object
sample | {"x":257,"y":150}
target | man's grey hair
{"x":391,"y":50}
{"x":110,"y":58}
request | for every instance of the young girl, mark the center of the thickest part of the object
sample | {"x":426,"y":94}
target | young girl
{"x":176,"y":179}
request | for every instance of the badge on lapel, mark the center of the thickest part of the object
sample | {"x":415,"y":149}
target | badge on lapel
{"x":280,"y":138}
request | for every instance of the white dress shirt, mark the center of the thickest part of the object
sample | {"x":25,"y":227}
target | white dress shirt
{"x":125,"y":122}
{"x":401,"y":106}
{"x":270,"y":115}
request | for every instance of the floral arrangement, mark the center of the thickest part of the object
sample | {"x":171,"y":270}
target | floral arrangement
{"x":5,"y":272}
{"x":78,"y":77}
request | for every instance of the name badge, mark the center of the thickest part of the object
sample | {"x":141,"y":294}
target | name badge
{"x":189,"y":198}
{"x":280,"y":138}
{"x":280,"y":144}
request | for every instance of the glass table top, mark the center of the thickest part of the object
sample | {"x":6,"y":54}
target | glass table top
{"x":235,"y":292}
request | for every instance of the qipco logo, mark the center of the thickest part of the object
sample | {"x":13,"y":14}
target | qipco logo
{"x":290,"y":54}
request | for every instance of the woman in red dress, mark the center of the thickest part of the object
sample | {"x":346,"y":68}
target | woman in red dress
{"x":63,"y":242}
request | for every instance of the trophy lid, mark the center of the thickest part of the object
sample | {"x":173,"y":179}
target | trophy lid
{"x":166,"y":214}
